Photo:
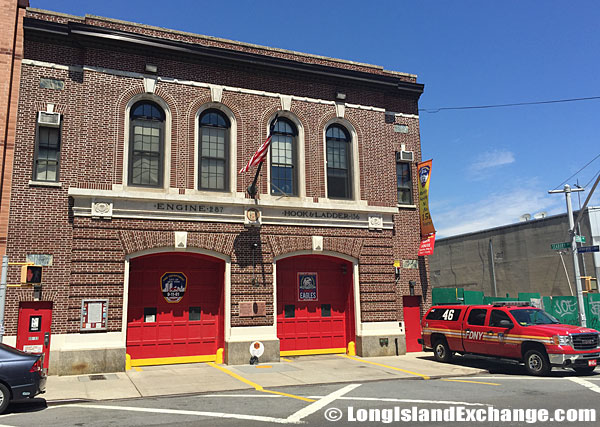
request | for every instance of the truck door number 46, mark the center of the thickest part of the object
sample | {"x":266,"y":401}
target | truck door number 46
{"x":448,"y":315}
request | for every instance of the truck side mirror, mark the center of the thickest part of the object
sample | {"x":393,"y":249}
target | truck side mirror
{"x":506,"y":324}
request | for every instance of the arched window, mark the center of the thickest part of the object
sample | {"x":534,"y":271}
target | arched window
{"x":339,"y":173}
{"x":284,"y":174}
{"x":213,"y":153}
{"x":146,"y":148}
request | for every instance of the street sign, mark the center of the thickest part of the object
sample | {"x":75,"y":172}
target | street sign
{"x":559,"y":246}
{"x":580,"y":239}
{"x":584,"y":249}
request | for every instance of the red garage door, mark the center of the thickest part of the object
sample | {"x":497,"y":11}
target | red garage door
{"x":315,"y":311}
{"x":175,"y":308}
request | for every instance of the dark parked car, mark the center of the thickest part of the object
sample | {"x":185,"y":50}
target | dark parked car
{"x":21,"y":375}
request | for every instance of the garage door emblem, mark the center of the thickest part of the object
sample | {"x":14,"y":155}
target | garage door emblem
{"x":307,"y":287}
{"x":173,"y":286}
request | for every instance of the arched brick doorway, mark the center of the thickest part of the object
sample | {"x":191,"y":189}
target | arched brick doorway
{"x":315,"y":307}
{"x":175,"y":308}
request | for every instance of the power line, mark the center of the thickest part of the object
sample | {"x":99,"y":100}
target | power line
{"x":585,"y":166}
{"x":515,"y":104}
{"x":593,"y":178}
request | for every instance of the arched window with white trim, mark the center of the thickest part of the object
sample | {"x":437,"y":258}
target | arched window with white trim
{"x":213,"y":153}
{"x":146,"y":146}
{"x":339,"y":162}
{"x":284,"y":158}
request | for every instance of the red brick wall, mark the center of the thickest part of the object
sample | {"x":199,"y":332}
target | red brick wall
{"x":89,"y":254}
{"x":11,"y":53}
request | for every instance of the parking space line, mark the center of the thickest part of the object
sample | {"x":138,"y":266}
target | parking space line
{"x":321,"y":403}
{"x":472,"y":382}
{"x":285,"y":359}
{"x":256,"y":386}
{"x":585,"y":383}
{"x":184,"y":412}
{"x":137,"y":368}
{"x":425,"y":377}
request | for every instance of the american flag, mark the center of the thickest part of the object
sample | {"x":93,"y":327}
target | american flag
{"x":261,"y":153}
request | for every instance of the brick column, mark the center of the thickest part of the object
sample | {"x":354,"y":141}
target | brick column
{"x":11,"y":54}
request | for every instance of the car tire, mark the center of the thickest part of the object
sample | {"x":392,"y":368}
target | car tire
{"x":537,"y":363}
{"x":441,"y":351}
{"x":4,"y":398}
{"x":584,"y":370}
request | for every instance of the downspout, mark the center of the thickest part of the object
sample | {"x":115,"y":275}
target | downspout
{"x":493,"y":269}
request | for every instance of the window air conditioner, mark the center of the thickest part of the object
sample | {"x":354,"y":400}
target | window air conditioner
{"x":48,"y":119}
{"x":405,"y":156}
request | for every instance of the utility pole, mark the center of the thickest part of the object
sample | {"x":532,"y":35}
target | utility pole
{"x":567,"y":190}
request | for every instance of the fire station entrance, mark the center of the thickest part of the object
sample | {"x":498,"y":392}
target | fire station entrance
{"x":315,"y":307}
{"x":175,"y":308}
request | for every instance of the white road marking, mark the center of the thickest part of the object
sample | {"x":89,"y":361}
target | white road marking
{"x":586,"y":383}
{"x":374,"y":399}
{"x":320,"y":404}
{"x":386,"y":399}
{"x":183,"y":412}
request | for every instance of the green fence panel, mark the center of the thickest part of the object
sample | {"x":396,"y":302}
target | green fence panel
{"x":565,"y":310}
{"x":447,"y":296}
{"x":547,"y":305}
{"x":592,"y":311}
{"x":473,"y":297}
{"x":527,"y":296}
{"x":491,"y":300}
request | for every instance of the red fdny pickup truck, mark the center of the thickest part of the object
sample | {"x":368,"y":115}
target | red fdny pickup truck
{"x":510,"y":331}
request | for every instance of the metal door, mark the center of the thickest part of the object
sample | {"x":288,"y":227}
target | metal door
{"x":33,"y":329}
{"x":412,"y":322}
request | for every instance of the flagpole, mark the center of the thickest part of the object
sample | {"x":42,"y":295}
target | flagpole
{"x":252,"y":190}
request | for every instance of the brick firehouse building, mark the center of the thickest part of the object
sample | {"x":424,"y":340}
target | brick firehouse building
{"x":122,"y":145}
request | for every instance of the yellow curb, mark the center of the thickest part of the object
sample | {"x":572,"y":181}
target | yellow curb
{"x":472,"y":382}
{"x":286,"y":360}
{"x":257,"y":387}
{"x":425,"y":377}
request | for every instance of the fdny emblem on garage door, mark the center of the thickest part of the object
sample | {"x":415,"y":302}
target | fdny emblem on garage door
{"x":307,"y":287}
{"x":173,"y":286}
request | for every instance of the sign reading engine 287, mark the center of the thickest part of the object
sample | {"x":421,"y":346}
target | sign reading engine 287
{"x":173,"y":286}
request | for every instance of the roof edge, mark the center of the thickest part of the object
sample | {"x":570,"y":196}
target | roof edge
{"x":222,"y":40}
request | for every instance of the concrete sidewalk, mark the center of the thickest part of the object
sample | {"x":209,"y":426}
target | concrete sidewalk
{"x":208,"y":377}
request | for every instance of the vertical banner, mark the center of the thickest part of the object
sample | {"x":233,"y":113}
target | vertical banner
{"x":424,"y":173}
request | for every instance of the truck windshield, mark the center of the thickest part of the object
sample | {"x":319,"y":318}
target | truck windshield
{"x":528,"y":317}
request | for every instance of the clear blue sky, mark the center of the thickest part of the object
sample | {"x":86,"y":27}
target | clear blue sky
{"x":490,"y":166}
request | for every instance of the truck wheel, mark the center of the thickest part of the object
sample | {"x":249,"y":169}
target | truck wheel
{"x":537,"y":363}
{"x":4,"y":398}
{"x":584,"y":369}
{"x":441,"y":351}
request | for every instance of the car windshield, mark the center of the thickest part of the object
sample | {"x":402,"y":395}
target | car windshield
{"x":528,"y":317}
